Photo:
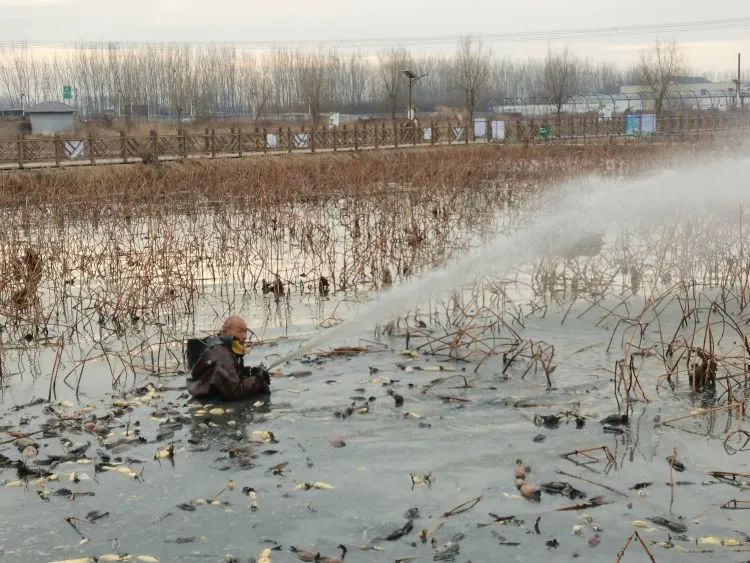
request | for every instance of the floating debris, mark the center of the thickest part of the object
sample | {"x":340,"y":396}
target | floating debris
{"x":400,"y":532}
{"x":253,"y":496}
{"x":709,"y":540}
{"x":165,"y":453}
{"x":304,"y":554}
{"x":615,"y":420}
{"x":337,"y":442}
{"x":333,"y":558}
{"x":530,"y":492}
{"x":677,"y":527}
{"x":263,"y":436}
{"x":316,"y":485}
{"x":677,"y":465}
{"x":592,"y":503}
{"x":562,"y":488}
{"x":425,"y":479}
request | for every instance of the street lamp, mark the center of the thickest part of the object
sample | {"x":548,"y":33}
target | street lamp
{"x":413,"y":77}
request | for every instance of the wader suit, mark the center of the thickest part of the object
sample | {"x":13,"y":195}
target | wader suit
{"x":220,"y":375}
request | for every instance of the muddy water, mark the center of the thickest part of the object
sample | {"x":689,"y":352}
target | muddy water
{"x":469,"y":449}
{"x":402,"y":468}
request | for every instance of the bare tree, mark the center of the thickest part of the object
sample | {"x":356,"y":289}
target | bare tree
{"x":560,"y":77}
{"x":314,"y":81}
{"x":471,"y":74}
{"x":660,"y":67}
{"x":391,"y":64}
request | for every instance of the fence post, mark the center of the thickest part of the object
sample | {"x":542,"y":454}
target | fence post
{"x":312,"y":139}
{"x":698,"y":125}
{"x":433,"y":133}
{"x":21,"y":152}
{"x":571,"y":125}
{"x":212,"y":142}
{"x":290,"y":140}
{"x":123,"y":147}
{"x":92,"y":156}
{"x":154,"y":146}
{"x":356,"y":138}
{"x":364,"y":135}
{"x":239,"y":142}
{"x":450,"y":133}
{"x":57,"y":149}
{"x":184,"y":139}
{"x":682,"y":128}
{"x":585,"y":121}
{"x":377,"y":141}
{"x":279,"y":136}
{"x":335,"y":134}
{"x":395,"y":135}
{"x":466,"y":132}
{"x":207,"y":141}
{"x":265,"y":140}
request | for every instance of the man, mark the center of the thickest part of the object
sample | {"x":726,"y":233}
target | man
{"x":219,"y":372}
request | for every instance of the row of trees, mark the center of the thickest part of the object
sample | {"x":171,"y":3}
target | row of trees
{"x":222,"y":80}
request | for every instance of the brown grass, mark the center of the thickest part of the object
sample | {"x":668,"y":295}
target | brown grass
{"x":272,"y":180}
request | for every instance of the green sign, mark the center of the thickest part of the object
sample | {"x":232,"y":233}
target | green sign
{"x":544,"y":131}
{"x":67,"y":92}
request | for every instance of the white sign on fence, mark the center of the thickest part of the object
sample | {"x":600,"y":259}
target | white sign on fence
{"x":427,"y":133}
{"x":271,"y":141}
{"x":498,"y":130}
{"x":480,"y":128}
{"x":648,"y":124}
{"x":457,"y":132}
{"x":301,"y":140}
{"x":74,"y":149}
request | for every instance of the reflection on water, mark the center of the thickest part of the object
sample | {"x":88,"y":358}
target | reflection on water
{"x":525,"y":368}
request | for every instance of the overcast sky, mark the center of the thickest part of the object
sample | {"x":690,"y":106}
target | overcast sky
{"x":264,"y":20}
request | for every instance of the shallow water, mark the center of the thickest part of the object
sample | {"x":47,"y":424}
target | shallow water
{"x":469,"y":448}
{"x":466,"y":438}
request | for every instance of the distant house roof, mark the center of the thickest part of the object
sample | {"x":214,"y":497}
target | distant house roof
{"x":692,"y":80}
{"x":50,"y":107}
{"x":682,"y":80}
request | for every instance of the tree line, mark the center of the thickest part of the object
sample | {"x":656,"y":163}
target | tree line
{"x":221,"y":80}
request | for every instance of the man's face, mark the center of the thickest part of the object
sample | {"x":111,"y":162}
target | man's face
{"x":238,"y":331}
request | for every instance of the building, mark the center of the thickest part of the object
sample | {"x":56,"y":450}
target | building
{"x":686,"y":85}
{"x":48,"y":118}
{"x":11,"y":113}
{"x":686,"y":93}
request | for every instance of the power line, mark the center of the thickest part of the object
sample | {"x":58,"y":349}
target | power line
{"x":430,"y":40}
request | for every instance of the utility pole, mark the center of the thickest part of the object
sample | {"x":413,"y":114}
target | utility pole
{"x":738,"y":82}
{"x":413,"y":77}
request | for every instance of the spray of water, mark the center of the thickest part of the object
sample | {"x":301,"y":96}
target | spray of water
{"x":566,"y":221}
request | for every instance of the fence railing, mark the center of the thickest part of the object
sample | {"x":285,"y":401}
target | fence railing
{"x":68,"y":150}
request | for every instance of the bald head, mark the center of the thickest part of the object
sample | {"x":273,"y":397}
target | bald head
{"x":236,"y":327}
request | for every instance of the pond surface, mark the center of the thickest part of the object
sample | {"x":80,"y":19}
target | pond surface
{"x":406,"y":445}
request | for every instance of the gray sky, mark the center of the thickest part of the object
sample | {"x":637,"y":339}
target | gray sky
{"x":263,"y":20}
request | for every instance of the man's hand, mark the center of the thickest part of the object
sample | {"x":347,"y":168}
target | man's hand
{"x":262,"y":373}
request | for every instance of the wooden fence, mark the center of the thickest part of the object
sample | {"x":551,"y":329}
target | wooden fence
{"x":70,"y":150}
